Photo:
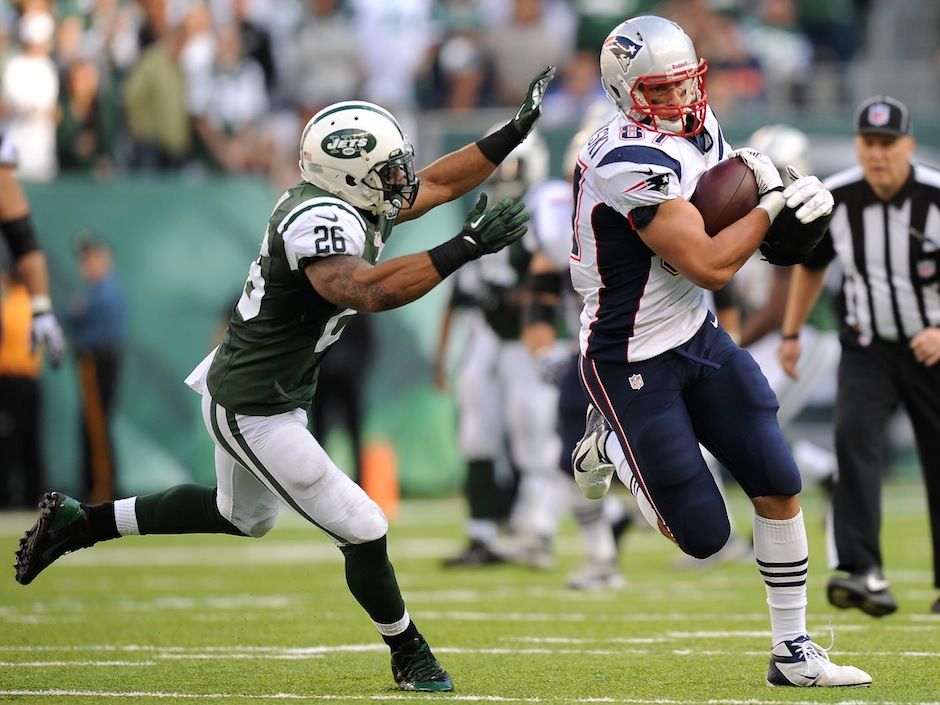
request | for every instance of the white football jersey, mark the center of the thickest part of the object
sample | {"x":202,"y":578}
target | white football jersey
{"x":636,"y":305}
{"x":550,"y":206}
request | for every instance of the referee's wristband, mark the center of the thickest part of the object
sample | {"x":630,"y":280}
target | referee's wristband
{"x":790,"y":336}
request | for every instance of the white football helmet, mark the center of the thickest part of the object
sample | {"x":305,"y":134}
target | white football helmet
{"x":644,"y":53}
{"x":785,"y":145}
{"x":526,"y":166}
{"x":358,"y":152}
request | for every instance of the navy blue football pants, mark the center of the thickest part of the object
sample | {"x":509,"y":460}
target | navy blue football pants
{"x":708,"y":391}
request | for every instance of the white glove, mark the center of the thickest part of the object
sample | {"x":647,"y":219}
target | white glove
{"x":807,"y":192}
{"x":46,"y":331}
{"x":766,"y":174}
{"x":769,"y":183}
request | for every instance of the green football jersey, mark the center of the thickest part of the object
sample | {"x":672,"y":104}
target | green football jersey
{"x":281,"y":328}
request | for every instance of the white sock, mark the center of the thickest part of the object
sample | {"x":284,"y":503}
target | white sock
{"x":395,"y":627}
{"x":125,"y":516}
{"x":483,"y":530}
{"x":782,"y":556}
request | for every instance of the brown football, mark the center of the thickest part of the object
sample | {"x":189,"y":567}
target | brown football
{"x":725,"y":193}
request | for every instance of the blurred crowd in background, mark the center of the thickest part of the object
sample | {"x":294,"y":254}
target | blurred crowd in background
{"x":110,"y":86}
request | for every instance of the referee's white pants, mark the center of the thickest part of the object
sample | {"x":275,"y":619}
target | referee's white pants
{"x":263,"y":461}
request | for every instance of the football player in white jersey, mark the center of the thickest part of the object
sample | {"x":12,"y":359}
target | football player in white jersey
{"x":317,"y":267}
{"x":662,"y":375}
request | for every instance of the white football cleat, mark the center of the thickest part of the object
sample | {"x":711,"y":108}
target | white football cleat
{"x":592,"y":468}
{"x":805,"y":664}
{"x":597,"y":575}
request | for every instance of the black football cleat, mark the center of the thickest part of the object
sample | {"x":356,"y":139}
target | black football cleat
{"x":62,"y":527}
{"x":415,"y":668}
{"x":868,"y":591}
{"x":476,"y":554}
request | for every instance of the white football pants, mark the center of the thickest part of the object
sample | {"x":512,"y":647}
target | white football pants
{"x":262,"y":461}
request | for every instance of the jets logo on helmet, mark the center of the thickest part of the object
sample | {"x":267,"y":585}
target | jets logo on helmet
{"x":346,"y":144}
{"x":358,"y":152}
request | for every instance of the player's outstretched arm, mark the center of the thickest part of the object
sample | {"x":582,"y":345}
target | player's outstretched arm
{"x":461,"y":171}
{"x":805,"y":287}
{"x":353,"y":283}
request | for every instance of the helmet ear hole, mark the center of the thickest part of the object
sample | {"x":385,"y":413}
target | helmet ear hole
{"x":350,"y":181}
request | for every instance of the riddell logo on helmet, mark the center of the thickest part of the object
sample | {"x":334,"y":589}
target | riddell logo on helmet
{"x":348,"y":143}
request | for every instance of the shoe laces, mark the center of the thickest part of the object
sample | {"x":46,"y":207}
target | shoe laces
{"x":809,"y":650}
{"x":421,"y":665}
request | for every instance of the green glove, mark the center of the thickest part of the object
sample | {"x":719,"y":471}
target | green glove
{"x":531,"y":107}
{"x":491,"y":230}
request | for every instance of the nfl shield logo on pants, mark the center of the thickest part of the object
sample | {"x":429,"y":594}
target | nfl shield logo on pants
{"x":636,"y":381}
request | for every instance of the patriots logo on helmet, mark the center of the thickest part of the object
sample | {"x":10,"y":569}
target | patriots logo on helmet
{"x":624,"y":49}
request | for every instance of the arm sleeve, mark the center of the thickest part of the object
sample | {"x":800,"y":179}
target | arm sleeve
{"x":630,"y":185}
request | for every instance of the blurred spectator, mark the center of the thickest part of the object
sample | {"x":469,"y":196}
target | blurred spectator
{"x":327,"y":64}
{"x":460,"y":76}
{"x":255,"y":41}
{"x":29,"y":95}
{"x":229,"y":126}
{"x":394,"y":39}
{"x":597,"y":17}
{"x":21,"y":461}
{"x":783,"y":50}
{"x":86,"y":130}
{"x":735,"y":78}
{"x":155,"y":102}
{"x":97,"y":321}
{"x":524,"y":45}
{"x":577,"y":91}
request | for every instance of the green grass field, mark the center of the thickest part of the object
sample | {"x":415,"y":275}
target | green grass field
{"x":225,"y":620}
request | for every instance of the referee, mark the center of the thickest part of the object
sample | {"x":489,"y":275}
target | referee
{"x":885,"y":230}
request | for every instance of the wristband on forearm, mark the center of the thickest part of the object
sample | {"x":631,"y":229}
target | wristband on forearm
{"x":790,"y":336}
{"x":40,"y":303}
{"x":497,"y":146}
{"x":450,"y":256}
{"x":772,"y":203}
{"x":536,"y":311}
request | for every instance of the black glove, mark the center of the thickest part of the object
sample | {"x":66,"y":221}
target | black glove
{"x":484,"y":232}
{"x":492,"y":230}
{"x":788,"y":241}
{"x":531,"y":107}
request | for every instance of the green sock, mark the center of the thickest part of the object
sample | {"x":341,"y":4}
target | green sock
{"x":481,"y":489}
{"x":184,"y":509}
{"x":371,"y":580}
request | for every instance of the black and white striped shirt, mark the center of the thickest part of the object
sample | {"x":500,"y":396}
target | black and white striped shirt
{"x":890,"y":254}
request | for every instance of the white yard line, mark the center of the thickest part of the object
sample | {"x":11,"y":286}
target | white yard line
{"x":461,"y":697}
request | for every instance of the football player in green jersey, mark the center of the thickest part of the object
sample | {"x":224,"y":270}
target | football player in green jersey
{"x":317,"y":267}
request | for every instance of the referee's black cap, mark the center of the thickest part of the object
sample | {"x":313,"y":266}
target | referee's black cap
{"x":883,"y":115}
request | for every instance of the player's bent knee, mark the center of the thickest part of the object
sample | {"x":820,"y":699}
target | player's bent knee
{"x":368,"y":523}
{"x":703,"y":533}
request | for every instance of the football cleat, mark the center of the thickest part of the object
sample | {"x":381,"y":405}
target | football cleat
{"x":592,"y":468}
{"x":62,"y":527}
{"x":869,"y":591}
{"x":477,"y":553}
{"x":596,"y":575}
{"x":805,"y":664}
{"x":415,"y":668}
